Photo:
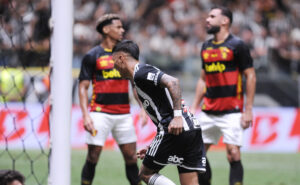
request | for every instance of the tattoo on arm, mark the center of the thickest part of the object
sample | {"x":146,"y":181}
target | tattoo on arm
{"x":172,"y":84}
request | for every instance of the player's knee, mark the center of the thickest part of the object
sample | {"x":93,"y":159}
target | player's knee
{"x":130,"y":158}
{"x":93,"y":157}
{"x":233,"y":154}
{"x":144,"y":174}
{"x":144,"y":177}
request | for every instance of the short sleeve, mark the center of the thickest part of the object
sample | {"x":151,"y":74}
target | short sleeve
{"x":160,"y":74}
{"x":202,"y":61}
{"x":87,"y":68}
{"x":244,"y":58}
{"x":149,"y":74}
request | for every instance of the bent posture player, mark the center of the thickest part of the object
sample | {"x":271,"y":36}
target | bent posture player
{"x":178,"y":140}
{"x":225,"y":59}
{"x":110,"y":111}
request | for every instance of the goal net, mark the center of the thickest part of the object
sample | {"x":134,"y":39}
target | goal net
{"x":24,"y":88}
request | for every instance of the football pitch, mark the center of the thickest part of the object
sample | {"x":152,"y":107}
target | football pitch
{"x":259,"y":168}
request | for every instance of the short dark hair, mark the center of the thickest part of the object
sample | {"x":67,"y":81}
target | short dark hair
{"x":224,"y":11}
{"x":104,"y":20}
{"x":129,"y":47}
{"x":8,"y":176}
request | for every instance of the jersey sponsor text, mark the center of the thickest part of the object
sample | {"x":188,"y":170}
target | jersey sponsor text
{"x":111,"y":74}
{"x":215,"y":67}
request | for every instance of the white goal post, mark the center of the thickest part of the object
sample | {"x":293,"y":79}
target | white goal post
{"x":61,"y":94}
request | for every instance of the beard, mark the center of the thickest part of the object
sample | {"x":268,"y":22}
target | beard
{"x":213,"y":29}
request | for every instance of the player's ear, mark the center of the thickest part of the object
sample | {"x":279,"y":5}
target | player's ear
{"x":123,"y":58}
{"x":225,"y":20}
{"x":105,"y":29}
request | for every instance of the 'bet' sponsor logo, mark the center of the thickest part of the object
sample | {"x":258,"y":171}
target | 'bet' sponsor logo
{"x":111,"y":74}
{"x":215,"y":67}
{"x":176,"y":160}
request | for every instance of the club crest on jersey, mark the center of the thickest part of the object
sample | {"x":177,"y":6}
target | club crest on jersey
{"x":175,"y":160}
{"x":218,"y":54}
{"x":150,"y":76}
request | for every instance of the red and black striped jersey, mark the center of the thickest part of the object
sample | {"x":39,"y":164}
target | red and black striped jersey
{"x":223,"y":64}
{"x":110,"y":90}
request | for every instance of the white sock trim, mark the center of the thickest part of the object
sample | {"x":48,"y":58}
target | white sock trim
{"x":158,"y":179}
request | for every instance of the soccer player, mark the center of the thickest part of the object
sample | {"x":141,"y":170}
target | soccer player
{"x":226,"y":59}
{"x":109,"y":107}
{"x":178,"y":140}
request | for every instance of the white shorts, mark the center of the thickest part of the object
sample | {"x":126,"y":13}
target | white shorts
{"x":228,"y":125}
{"x":121,"y":127}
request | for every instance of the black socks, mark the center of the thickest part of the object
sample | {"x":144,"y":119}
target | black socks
{"x":88,"y":172}
{"x":235,"y":176}
{"x":236,"y":173}
{"x":132,"y":174}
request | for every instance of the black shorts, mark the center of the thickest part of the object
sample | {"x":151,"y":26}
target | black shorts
{"x":185,"y":150}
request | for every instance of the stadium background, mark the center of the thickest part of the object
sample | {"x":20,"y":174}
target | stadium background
{"x":170,"y":34}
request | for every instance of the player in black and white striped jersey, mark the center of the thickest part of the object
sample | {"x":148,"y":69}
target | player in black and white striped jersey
{"x":156,"y":100}
{"x":178,"y":140}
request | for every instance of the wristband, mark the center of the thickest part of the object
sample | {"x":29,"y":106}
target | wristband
{"x":177,"y":113}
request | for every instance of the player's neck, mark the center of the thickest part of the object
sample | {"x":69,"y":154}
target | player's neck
{"x":108,"y":43}
{"x":221,"y":36}
{"x":131,"y":68}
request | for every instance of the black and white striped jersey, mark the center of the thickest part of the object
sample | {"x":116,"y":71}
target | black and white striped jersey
{"x":156,"y":100}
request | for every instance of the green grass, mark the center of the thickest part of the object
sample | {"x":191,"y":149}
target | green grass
{"x":259,"y":168}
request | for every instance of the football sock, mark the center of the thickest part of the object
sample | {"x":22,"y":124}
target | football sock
{"x":158,"y":179}
{"x":132,"y":174}
{"x":88,"y":172}
{"x":236,"y":173}
{"x":205,"y":178}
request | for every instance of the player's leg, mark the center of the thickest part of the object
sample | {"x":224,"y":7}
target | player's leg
{"x":124,"y":133}
{"x":129,"y":155}
{"x":205,"y":178}
{"x":152,"y":177}
{"x":233,"y":138}
{"x":211,"y":135}
{"x":157,"y":156}
{"x":190,"y":178}
{"x":88,"y":170}
{"x":193,"y":158}
{"x":236,"y":167}
{"x":95,"y":143}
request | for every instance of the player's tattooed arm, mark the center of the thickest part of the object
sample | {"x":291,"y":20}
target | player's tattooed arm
{"x":172,"y":84}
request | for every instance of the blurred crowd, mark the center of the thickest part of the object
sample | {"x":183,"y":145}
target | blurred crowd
{"x":170,"y":33}
{"x":24,"y":32}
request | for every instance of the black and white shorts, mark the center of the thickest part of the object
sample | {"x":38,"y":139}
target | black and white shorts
{"x":185,"y":150}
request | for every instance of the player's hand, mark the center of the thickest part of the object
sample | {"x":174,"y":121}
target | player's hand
{"x":143,"y":117}
{"x":88,"y":124}
{"x":176,"y":125}
{"x":142,"y":153}
{"x":193,"y":110}
{"x":247,"y":119}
